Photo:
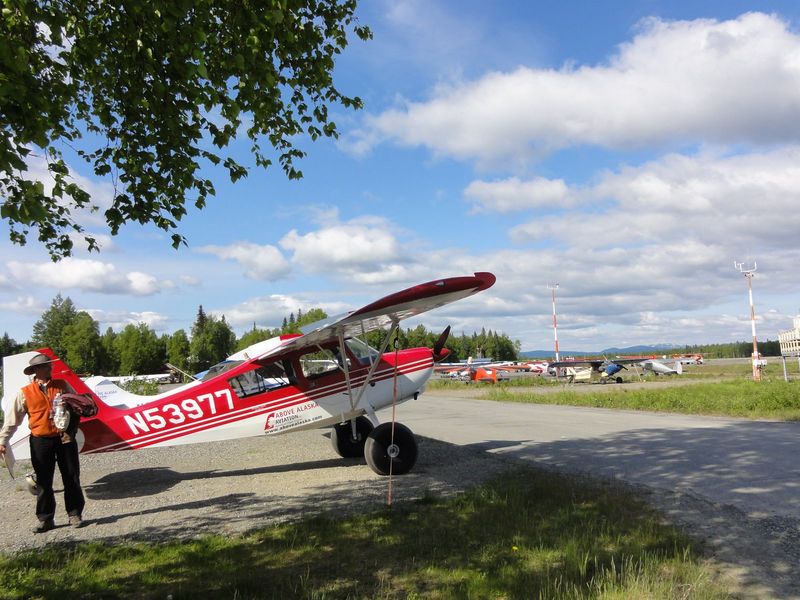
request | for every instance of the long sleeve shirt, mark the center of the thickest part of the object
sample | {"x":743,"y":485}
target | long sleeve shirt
{"x":17,"y":412}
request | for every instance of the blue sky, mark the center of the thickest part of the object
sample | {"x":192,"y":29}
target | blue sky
{"x":629,"y":151}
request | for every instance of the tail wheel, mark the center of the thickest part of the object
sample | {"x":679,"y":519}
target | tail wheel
{"x":342,"y":438}
{"x":382,"y":455}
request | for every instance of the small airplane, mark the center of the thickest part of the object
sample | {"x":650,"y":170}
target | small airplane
{"x":689,"y":359}
{"x":608,"y":368}
{"x":659,"y":368}
{"x":325,"y":377}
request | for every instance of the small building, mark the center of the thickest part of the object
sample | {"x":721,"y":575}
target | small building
{"x":790,"y":340}
{"x":790,"y":344}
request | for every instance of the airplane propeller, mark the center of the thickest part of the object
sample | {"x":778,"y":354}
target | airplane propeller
{"x":439,"y":351}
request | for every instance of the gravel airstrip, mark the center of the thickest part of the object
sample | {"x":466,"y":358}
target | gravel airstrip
{"x":229,"y":487}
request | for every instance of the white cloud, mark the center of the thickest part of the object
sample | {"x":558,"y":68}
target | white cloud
{"x":118,"y":320}
{"x":265,"y":263}
{"x":741,"y":203}
{"x":25,"y":305}
{"x":512,"y":194}
{"x":365,"y":249}
{"x":269,"y":311}
{"x":87,"y":275}
{"x":729,"y":81}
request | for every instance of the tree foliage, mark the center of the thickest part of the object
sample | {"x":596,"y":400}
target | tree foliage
{"x":8,"y":345}
{"x":149,"y":91}
{"x":48,"y":330}
{"x":178,"y":349}
{"x":80,"y":339}
{"x":212,"y":341}
{"x":140,"y":350}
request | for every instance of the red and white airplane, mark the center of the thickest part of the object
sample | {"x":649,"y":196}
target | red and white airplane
{"x":325,"y":377}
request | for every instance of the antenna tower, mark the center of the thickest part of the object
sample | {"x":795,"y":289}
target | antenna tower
{"x":748,"y":272}
{"x":554,"y":287}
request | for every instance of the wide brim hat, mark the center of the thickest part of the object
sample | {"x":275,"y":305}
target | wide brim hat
{"x":37,"y":361}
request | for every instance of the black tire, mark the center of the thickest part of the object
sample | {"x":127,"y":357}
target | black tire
{"x":342,"y":438}
{"x":378,"y":449}
{"x":619,"y":379}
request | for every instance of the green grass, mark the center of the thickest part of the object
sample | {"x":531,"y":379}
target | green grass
{"x":527,"y":534}
{"x":738,"y":398}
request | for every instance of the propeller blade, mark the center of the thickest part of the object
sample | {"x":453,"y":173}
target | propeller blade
{"x":439,"y":351}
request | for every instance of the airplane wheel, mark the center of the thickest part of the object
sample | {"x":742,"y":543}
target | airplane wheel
{"x":619,"y":379}
{"x":381,"y":453}
{"x":342,"y":438}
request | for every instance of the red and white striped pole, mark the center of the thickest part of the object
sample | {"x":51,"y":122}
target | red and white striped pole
{"x":553,"y":287}
{"x":748,"y":273}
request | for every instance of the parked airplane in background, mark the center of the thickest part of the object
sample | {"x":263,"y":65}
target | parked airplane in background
{"x":689,"y":359}
{"x":324,"y":377}
{"x":659,"y":368}
{"x":607,"y":368}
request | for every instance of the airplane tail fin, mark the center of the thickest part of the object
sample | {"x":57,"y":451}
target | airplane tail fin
{"x":62,"y":371}
{"x":679,"y":367}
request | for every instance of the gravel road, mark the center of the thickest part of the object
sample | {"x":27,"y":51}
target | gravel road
{"x":229,"y":487}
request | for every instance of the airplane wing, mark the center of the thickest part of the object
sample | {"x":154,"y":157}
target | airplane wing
{"x":395,"y":307}
{"x":594,"y":363}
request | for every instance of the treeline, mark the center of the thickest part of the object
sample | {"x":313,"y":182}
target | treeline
{"x":137,"y":349}
{"x":731,"y":350}
{"x":488,"y":344}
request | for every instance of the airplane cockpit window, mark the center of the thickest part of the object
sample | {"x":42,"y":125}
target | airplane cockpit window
{"x":316,"y":364}
{"x":262,"y":379}
{"x":365,"y":353}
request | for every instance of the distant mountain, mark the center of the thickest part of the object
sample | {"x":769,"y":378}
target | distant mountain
{"x":652,"y":349}
{"x":642,"y":349}
{"x":550,"y":353}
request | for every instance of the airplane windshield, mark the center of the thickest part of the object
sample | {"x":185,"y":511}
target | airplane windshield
{"x":266,"y":377}
{"x":365,"y":353}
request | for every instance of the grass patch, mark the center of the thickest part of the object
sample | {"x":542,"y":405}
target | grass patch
{"x":740,"y":398}
{"x":527,"y":534}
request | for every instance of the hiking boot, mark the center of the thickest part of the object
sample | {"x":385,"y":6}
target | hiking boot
{"x":75,"y":521}
{"x":44,"y":526}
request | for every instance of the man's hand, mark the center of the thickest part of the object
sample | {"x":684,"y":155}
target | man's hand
{"x":2,"y":449}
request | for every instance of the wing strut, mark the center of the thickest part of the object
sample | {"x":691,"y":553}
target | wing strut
{"x":394,"y":405}
{"x":373,"y":367}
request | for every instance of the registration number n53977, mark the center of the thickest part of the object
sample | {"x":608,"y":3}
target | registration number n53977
{"x":176,"y":413}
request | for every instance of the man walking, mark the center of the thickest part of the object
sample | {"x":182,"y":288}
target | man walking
{"x":49,"y":445}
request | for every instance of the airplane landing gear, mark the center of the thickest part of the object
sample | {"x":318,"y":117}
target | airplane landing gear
{"x":382,"y":454}
{"x":342,"y":438}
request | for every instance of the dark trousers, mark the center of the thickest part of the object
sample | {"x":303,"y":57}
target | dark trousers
{"x":45,"y":453}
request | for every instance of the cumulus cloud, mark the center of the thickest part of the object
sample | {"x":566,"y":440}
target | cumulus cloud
{"x":26,"y":305}
{"x":118,"y":320}
{"x":269,"y":311}
{"x":87,"y":275}
{"x":364,"y":249}
{"x":675,"y":81}
{"x":512,"y":194}
{"x":742,"y":203}
{"x":264,"y":263}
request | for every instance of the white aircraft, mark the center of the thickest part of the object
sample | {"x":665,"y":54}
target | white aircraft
{"x":659,"y":368}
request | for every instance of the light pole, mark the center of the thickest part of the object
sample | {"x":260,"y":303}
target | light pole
{"x":553,"y":287}
{"x":748,"y":273}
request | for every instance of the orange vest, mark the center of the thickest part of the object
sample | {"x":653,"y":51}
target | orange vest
{"x":40,"y":404}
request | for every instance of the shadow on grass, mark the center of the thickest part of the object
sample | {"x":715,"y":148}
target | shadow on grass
{"x":526,"y":534}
